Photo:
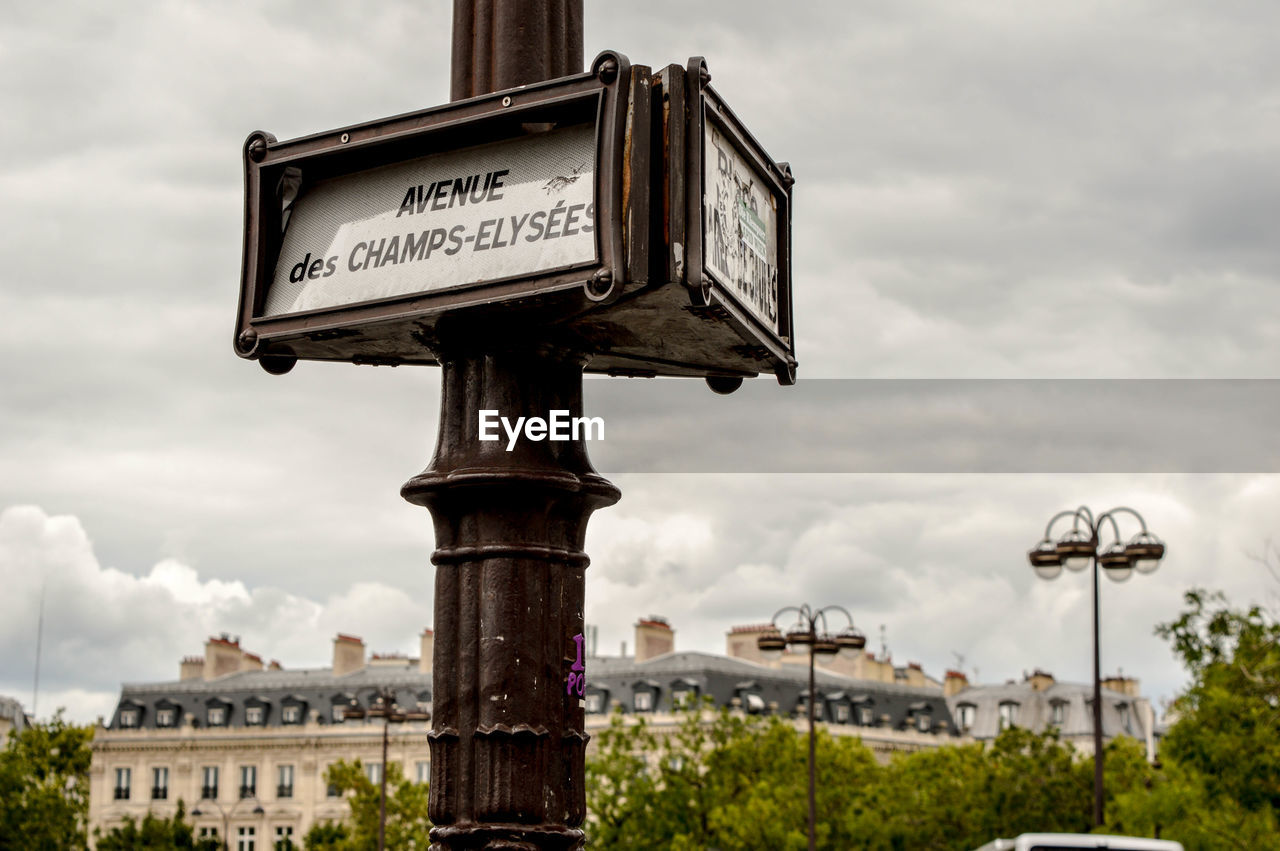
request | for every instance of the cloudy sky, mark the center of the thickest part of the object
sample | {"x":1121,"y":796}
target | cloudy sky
{"x":992,"y":201}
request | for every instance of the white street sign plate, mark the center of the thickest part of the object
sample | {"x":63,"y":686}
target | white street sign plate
{"x":497,"y":211}
{"x":740,"y":222}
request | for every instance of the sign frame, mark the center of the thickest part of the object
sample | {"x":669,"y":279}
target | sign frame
{"x":690,"y":104}
{"x":600,"y":95}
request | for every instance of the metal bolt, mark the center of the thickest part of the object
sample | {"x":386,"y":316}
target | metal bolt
{"x":258,"y":149}
{"x":247,"y":340}
{"x":600,"y":283}
{"x":608,"y":71}
{"x":346,"y":137}
{"x":704,"y":75}
{"x":506,"y":101}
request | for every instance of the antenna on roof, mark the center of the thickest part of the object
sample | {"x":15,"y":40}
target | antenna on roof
{"x":884,"y":645}
{"x":35,"y":688}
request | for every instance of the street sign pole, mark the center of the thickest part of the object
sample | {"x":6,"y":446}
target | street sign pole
{"x":507,"y":740}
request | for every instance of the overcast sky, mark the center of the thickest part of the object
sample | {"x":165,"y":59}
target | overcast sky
{"x":984,"y":191}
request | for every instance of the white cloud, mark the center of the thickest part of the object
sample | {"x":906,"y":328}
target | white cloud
{"x":104,"y":626}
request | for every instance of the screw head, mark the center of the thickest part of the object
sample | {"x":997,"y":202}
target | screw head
{"x":506,"y":101}
{"x":346,"y":137}
{"x":247,"y":340}
{"x":608,"y":70}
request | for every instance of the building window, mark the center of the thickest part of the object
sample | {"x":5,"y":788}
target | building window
{"x":291,"y":714}
{"x":284,"y":838}
{"x":209,"y":782}
{"x":1058,"y":714}
{"x":679,"y":696}
{"x":1124,"y":715}
{"x":842,"y":713}
{"x":253,"y":716}
{"x":643,"y":701}
{"x":216,"y":716}
{"x":284,"y":786}
{"x":424,"y":772}
{"x":124,"y":778}
{"x":1008,"y":715}
{"x":374,"y":771}
{"x":339,"y":712}
{"x":209,"y":833}
{"x":159,"y":783}
{"x":966,"y":711}
{"x":128,"y":718}
{"x":331,"y":791}
{"x":245,"y":838}
{"x":867,"y":716}
{"x":165,"y":717}
{"x":248,"y":781}
{"x":924,"y":723}
{"x":594,"y":702}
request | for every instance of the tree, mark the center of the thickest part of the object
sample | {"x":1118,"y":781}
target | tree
{"x":44,"y":787}
{"x":728,"y":781}
{"x":161,"y":834}
{"x":407,"y":824}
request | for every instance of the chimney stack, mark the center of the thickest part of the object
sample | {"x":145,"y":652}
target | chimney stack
{"x":348,"y":654}
{"x":428,"y":648}
{"x":221,"y":657}
{"x":654,"y":637}
{"x":954,"y":683}
{"x":191,"y":668}
{"x":1040,"y":680}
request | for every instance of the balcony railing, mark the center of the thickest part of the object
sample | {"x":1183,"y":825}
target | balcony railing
{"x":248,"y":792}
{"x":284,"y":791}
{"x":122,"y":794}
{"x":159,"y":793}
{"x":209,"y":793}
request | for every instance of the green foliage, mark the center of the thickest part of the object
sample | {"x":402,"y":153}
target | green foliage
{"x":407,"y":824}
{"x":727,"y":781}
{"x":160,"y":834}
{"x":44,"y":787}
{"x":326,"y":836}
{"x":1229,"y":729}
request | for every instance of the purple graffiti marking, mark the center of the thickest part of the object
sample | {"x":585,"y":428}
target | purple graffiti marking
{"x":576,"y":682}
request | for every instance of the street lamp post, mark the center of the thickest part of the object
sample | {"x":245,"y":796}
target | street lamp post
{"x":1076,"y":550}
{"x":385,"y":707}
{"x":227,"y":814}
{"x":804,"y":633}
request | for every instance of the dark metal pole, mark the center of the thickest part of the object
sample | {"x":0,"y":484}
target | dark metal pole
{"x":382,"y":777}
{"x":508,"y":746}
{"x":1097,"y":704}
{"x":812,"y":776}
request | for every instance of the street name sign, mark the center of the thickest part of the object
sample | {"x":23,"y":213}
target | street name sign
{"x":623,"y":214}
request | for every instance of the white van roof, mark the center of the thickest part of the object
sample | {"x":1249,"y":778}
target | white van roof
{"x":1030,"y":841}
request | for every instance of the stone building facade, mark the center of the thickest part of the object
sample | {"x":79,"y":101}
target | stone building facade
{"x":246,"y":745}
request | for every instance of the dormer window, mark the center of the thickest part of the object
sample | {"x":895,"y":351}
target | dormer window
{"x":965,"y":713}
{"x":1124,"y":716}
{"x":1008,"y":714}
{"x":128,"y":718}
{"x":253,"y":716}
{"x":594,"y":702}
{"x":1058,"y":713}
{"x":216,"y":716}
{"x":291,"y":713}
{"x":842,"y":713}
{"x":643,"y":701}
{"x":166,"y":717}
